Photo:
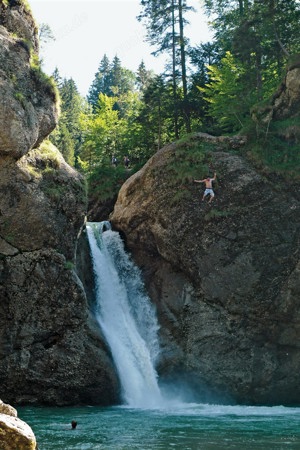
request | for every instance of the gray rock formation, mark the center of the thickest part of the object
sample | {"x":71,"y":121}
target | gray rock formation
{"x":225,"y":277}
{"x":28,"y":110}
{"x":51,"y":349}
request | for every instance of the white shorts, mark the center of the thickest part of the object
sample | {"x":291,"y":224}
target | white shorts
{"x":209,"y":192}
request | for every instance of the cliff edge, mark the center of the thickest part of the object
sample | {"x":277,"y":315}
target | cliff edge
{"x":51,"y":351}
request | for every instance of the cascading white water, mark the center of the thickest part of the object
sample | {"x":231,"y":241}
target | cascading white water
{"x":126,"y":317}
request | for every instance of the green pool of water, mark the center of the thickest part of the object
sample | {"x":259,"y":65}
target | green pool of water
{"x":184,"y":427}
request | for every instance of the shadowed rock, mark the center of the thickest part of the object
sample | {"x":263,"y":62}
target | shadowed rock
{"x":224,"y":277}
{"x":51,"y":351}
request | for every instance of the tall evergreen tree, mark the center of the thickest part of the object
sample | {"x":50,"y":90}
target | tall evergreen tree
{"x":261,"y":34}
{"x":201,"y":56}
{"x":143,"y":77}
{"x":67,"y":136}
{"x":165,"y":25}
{"x":122,"y":80}
{"x":111,"y":79}
{"x":182,"y":43}
{"x":101,"y":82}
{"x":57,"y":78}
{"x":156,"y":115}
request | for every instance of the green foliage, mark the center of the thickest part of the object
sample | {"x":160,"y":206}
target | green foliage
{"x":62,"y":139}
{"x":156,"y":116}
{"x":229,"y":103}
{"x":216,"y":214}
{"x":46,"y":160}
{"x":69,"y":265}
{"x":25,"y":3}
{"x":101,"y":133}
{"x":49,"y":154}
{"x":137,"y":115}
{"x":277,"y":155}
{"x":189,"y":161}
{"x":165,"y":21}
{"x":20,"y":97}
{"x":260,"y":36}
{"x":111,"y":131}
{"x":68,"y":134}
{"x":44,"y":81}
{"x":274,"y":146}
{"x":47,"y":165}
{"x":182,"y":194}
{"x":33,"y":171}
{"x":112,"y":80}
{"x":143,"y":77}
{"x":106,"y":181}
{"x":55,"y":192}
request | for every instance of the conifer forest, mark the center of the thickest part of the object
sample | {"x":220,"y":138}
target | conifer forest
{"x":213,"y":87}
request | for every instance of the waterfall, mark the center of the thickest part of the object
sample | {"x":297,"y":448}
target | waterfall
{"x":126,"y":316}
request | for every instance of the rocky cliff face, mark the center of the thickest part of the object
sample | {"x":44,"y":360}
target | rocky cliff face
{"x":50,"y":349}
{"x":28,"y":111}
{"x":224,"y":277}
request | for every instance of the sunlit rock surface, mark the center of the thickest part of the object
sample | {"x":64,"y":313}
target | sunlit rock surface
{"x":14,"y":433}
{"x":28,"y":110}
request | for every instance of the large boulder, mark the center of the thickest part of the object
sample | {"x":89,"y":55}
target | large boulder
{"x":224,"y":277}
{"x":14,"y":433}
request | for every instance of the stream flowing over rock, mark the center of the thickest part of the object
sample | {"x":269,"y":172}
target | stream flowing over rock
{"x":225,"y":277}
{"x":51,"y":351}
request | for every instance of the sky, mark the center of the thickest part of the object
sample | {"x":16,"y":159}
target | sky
{"x":85,"y":30}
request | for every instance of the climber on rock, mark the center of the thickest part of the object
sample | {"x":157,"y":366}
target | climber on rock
{"x":208,"y":187}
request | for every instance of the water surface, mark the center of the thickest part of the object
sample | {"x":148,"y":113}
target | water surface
{"x":185,"y":427}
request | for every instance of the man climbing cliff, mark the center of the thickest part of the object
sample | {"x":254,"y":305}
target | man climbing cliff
{"x":208,"y":187}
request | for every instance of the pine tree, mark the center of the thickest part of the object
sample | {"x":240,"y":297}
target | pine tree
{"x":101,"y":82}
{"x":67,"y":135}
{"x":228,"y":102}
{"x":57,"y":78}
{"x":143,"y":77}
{"x":165,"y":26}
{"x":121,"y":79}
{"x":111,"y":79}
{"x":261,"y":34}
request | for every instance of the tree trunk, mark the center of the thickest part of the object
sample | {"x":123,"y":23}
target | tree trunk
{"x":186,"y":112}
{"x":174,"y":73}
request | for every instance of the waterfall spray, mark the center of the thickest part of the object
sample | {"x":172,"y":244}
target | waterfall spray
{"x":126,"y":317}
